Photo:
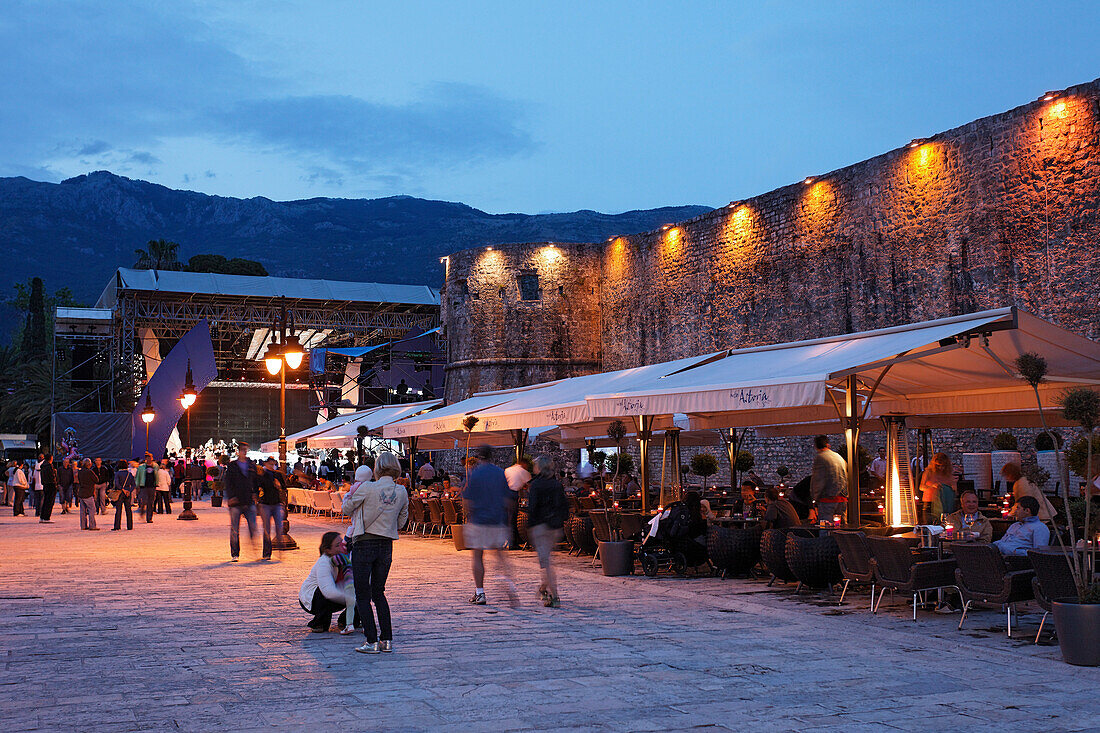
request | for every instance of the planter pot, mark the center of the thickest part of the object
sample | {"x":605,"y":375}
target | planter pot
{"x":1078,"y":626}
{"x":456,"y":535}
{"x":617,"y":558}
{"x":216,"y":500}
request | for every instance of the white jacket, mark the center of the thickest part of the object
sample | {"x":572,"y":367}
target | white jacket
{"x":377,"y":507}
{"x":322,"y":576}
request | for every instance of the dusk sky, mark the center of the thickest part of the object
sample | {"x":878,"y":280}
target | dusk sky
{"x":511,"y":106}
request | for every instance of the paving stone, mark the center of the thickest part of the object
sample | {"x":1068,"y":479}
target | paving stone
{"x":153,"y":629}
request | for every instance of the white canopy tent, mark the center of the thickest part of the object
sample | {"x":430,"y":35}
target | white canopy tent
{"x":954,"y":372}
{"x":272,"y":446}
{"x":343,"y":436}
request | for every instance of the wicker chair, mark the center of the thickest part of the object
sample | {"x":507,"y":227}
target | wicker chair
{"x":418,"y":515}
{"x":813,"y":560}
{"x":567,"y":530}
{"x":1053,"y":579}
{"x":587,"y":503}
{"x":601,"y":530}
{"x":855,"y":560}
{"x":521,"y":528}
{"x":631,"y":525}
{"x":983,"y":577}
{"x":451,"y":512}
{"x":582,"y":535}
{"x":733,"y":550}
{"x":435,"y":512}
{"x":773,"y":553}
{"x":895,"y":568}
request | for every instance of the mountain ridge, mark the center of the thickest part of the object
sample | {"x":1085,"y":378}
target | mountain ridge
{"x":76,"y":232}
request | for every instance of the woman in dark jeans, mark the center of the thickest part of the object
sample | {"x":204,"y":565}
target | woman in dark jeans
{"x":124,"y":485}
{"x":378,"y":510}
{"x":547,"y":510}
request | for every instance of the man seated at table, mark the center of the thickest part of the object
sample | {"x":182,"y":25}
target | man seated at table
{"x":969,"y":519}
{"x":779,"y":513}
{"x":748,"y":505}
{"x":1028,"y":533}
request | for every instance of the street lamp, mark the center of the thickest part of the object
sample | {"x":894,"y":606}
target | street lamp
{"x":147,"y":416}
{"x":278,"y":357}
{"x":187,"y":398}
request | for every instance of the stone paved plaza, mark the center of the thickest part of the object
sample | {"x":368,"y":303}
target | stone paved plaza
{"x":154,"y":630}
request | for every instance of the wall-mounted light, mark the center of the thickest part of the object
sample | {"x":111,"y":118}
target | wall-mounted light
{"x":808,"y":180}
{"x":488,"y":249}
{"x":733,"y":204}
{"x":1050,"y":96}
{"x":917,"y":142}
{"x":666,"y":227}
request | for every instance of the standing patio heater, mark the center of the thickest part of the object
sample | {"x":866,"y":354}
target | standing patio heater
{"x":901,"y":510}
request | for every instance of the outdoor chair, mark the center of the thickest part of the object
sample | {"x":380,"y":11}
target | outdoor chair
{"x":733,"y":550}
{"x":855,"y":560}
{"x":773,"y":553}
{"x":435,"y":512}
{"x":451,"y":512}
{"x":631,"y":525}
{"x":521,"y":528}
{"x":322,"y":502}
{"x":813,"y":560}
{"x":896,"y":569}
{"x":587,"y":503}
{"x":601,"y":530}
{"x":581,"y":528}
{"x":416,"y":515}
{"x":983,"y":577}
{"x":567,"y":530}
{"x":1053,"y":580}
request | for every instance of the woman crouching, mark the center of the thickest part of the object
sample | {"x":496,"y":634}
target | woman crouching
{"x":378,"y":509}
{"x":328,"y":588}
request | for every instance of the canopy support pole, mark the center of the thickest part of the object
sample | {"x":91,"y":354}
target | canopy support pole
{"x":676,"y":488}
{"x":645,"y":432}
{"x":664,"y":459}
{"x":519,"y":438}
{"x":851,"y":435}
{"x":413,"y":440}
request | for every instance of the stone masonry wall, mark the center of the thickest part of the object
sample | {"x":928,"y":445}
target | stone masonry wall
{"x":1000,"y":211}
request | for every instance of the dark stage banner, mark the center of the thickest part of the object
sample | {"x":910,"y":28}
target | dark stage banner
{"x":92,"y":434}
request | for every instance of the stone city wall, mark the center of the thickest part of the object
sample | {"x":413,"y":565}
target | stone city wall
{"x":1000,"y":211}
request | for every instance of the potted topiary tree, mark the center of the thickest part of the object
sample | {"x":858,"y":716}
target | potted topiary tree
{"x":744,"y":462}
{"x":1078,"y":619}
{"x":704,"y":465}
{"x":782,"y":472}
{"x":617,"y":554}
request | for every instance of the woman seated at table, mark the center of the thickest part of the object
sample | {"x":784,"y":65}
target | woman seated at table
{"x":748,"y":505}
{"x":969,"y":519}
{"x":329,"y":588}
{"x":1021,"y":487}
{"x":937,"y":486}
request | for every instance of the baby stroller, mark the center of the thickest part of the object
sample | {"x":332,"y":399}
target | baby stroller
{"x":668,"y":543}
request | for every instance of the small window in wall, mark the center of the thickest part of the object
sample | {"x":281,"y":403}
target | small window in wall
{"x":462,"y":288}
{"x":502,"y":293}
{"x":528,"y":285}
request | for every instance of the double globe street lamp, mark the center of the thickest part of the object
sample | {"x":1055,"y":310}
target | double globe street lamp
{"x":187,"y":398}
{"x":287,"y":353}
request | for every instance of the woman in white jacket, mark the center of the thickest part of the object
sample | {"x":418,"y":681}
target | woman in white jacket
{"x":328,"y":588}
{"x":378,"y":509}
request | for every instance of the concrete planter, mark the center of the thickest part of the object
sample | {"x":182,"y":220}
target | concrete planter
{"x":1078,"y":626}
{"x":617,"y":558}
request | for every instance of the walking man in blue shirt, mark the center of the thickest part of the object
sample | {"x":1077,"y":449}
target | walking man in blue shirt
{"x":486,"y":499}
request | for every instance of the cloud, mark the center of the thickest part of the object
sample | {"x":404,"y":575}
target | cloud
{"x":451,"y":124}
{"x":116,"y":84}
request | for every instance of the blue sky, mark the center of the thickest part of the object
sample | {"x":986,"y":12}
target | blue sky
{"x":511,"y":106}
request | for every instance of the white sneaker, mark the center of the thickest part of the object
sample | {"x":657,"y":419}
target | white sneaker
{"x":369,"y":647}
{"x":347,"y":630}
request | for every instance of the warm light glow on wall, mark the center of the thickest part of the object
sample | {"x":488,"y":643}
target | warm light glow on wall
{"x":616,"y":257}
{"x":818,"y":206}
{"x":674,"y":240}
{"x":551,"y":253}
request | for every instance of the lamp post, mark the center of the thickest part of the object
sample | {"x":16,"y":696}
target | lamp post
{"x":147,"y":416}
{"x":187,"y":398}
{"x":288,"y":353}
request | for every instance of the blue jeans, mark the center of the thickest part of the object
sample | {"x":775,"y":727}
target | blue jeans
{"x":370,"y":566}
{"x":271,"y":512}
{"x":235,"y":513}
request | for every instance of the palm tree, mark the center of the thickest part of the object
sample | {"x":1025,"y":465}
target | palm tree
{"x":159,"y":254}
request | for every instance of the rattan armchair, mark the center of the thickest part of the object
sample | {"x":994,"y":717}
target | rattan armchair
{"x":896,"y":569}
{"x":983,"y":577}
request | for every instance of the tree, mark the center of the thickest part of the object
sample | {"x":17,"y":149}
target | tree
{"x":219,"y":264}
{"x":1032,"y":368}
{"x":1005,"y":441}
{"x":159,"y":254}
{"x":704,"y":465}
{"x":34,"y":333}
{"x":616,"y":430}
{"x":1082,"y":406}
{"x":468,"y":425}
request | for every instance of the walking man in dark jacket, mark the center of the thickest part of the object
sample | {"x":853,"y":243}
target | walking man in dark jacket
{"x":49,"y":489}
{"x":241,"y":484}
